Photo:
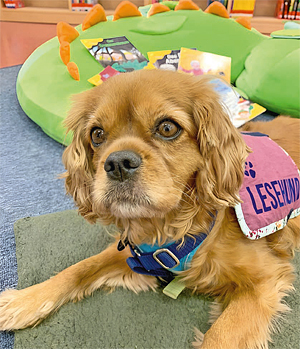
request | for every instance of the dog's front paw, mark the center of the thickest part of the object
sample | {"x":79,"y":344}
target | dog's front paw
{"x":20,"y":309}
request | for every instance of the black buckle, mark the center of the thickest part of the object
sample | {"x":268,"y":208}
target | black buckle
{"x":122,"y":245}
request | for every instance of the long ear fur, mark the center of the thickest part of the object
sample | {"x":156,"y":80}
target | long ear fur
{"x":78,"y":155}
{"x":222,"y":149}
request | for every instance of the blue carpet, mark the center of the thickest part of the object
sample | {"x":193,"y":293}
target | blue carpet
{"x":29,"y":164}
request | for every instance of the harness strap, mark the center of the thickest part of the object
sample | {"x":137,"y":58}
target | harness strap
{"x":163,"y":260}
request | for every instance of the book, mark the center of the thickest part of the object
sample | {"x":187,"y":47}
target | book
{"x":166,"y":60}
{"x":286,"y":7}
{"x":240,"y":110}
{"x":118,"y":53}
{"x":105,"y":74}
{"x":237,"y":8}
{"x":199,"y":63}
{"x":279,"y":8}
{"x":223,"y":2}
{"x":14,"y":3}
{"x":293,"y":9}
{"x":229,"y":6}
{"x":83,"y":5}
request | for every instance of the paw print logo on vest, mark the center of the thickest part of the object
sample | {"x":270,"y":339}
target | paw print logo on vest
{"x":249,"y":172}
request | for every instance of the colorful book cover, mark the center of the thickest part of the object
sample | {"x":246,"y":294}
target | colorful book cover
{"x":166,"y":60}
{"x":106,"y":73}
{"x":14,"y":3}
{"x":223,"y":2}
{"x":279,"y":8}
{"x":198,"y":63}
{"x":240,"y":110}
{"x":242,"y":8}
{"x":293,"y":9}
{"x":118,"y":53}
{"x":285,"y":11}
{"x":83,"y":5}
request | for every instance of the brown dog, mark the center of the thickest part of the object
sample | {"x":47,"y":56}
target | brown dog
{"x":155,"y":153}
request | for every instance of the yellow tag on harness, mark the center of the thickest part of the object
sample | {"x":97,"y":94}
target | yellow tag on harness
{"x":174,"y":288}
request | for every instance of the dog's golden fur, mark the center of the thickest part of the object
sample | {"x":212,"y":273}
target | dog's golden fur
{"x":179,"y":183}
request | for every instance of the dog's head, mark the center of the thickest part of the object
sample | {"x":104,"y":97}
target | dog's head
{"x":150,"y":144}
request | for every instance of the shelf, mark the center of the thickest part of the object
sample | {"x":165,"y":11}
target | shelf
{"x":265,"y":25}
{"x":43,"y":15}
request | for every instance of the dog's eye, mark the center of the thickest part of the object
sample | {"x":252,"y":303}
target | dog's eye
{"x":97,"y":136}
{"x":168,"y":129}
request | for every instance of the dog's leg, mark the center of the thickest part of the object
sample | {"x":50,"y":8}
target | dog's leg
{"x":27,"y":307}
{"x":246,"y":322}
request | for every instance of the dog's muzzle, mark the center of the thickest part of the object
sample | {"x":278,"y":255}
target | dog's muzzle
{"x":121,"y":165}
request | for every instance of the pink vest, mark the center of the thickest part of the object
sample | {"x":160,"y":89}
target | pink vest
{"x":270,"y":191}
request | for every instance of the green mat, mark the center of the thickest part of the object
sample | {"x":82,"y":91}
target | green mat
{"x":48,"y":244}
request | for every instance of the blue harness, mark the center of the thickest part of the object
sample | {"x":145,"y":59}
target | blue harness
{"x":166,"y":260}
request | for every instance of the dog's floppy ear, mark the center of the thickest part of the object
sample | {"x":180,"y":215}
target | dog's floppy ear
{"x":78,"y":155}
{"x":223,"y":151}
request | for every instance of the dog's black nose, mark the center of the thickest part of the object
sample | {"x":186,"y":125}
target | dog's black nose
{"x":121,"y":165}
